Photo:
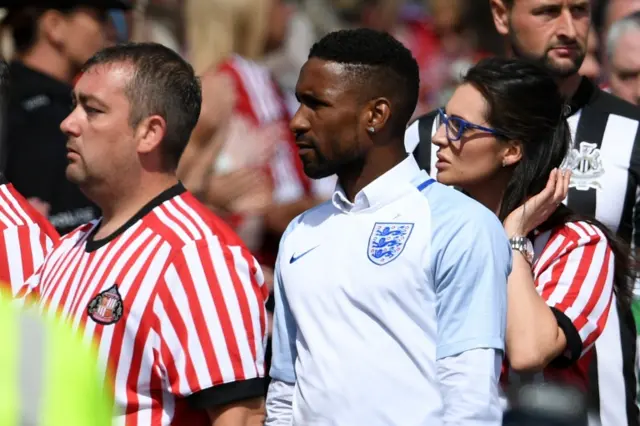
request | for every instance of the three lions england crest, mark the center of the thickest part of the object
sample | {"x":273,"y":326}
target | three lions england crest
{"x":387,"y":241}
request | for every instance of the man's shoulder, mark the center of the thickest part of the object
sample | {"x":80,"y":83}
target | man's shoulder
{"x":313,"y":217}
{"x":17,"y":212}
{"x":454,"y":213}
{"x":182,"y":221}
{"x":446,"y":198}
{"x":611,"y":104}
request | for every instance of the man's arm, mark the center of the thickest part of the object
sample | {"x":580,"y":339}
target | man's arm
{"x":281,"y":388}
{"x":472,"y":262}
{"x":211,"y":319}
{"x":24,"y":243}
{"x":249,"y":412}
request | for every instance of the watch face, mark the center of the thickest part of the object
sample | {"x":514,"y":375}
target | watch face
{"x":528,"y":245}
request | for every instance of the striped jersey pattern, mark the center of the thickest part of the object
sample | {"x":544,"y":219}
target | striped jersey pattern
{"x":25,"y":238}
{"x":175,"y":305}
{"x":573,"y":272}
{"x":605,"y":184}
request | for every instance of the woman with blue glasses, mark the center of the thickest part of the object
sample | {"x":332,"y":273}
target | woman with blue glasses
{"x":502,"y":139}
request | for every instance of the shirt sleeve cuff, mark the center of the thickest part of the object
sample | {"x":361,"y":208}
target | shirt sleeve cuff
{"x":227,"y":393}
{"x":574,"y":343}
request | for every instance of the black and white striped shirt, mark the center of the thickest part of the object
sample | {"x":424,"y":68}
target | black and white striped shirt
{"x":605,"y":162}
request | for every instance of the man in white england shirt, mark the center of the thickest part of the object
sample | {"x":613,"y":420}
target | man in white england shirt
{"x":390,"y":297}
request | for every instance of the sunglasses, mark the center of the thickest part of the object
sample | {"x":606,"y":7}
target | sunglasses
{"x":456,"y":126}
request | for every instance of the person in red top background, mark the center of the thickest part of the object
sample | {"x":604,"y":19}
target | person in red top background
{"x":226,"y":41}
{"x":445,"y":36}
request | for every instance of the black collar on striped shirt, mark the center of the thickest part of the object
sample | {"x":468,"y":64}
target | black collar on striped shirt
{"x":3,"y":180}
{"x":585,"y":93}
{"x":167,"y":194}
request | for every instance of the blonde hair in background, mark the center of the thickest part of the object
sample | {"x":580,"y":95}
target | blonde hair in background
{"x":6,"y":39}
{"x":218,"y":28}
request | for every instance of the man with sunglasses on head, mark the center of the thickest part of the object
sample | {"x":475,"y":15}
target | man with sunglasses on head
{"x":51,"y":41}
{"x":605,"y":163}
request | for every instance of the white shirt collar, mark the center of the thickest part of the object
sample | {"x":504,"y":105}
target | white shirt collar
{"x":393,"y":183}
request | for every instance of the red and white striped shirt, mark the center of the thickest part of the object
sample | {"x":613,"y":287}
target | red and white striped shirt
{"x":25,"y":238}
{"x":175,"y":304}
{"x":260,"y":100}
{"x":573,"y":271}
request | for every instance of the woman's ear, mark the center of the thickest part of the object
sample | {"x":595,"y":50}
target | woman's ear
{"x":512,"y":153}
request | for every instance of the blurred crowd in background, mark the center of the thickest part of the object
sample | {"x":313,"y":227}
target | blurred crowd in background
{"x":249,"y":53}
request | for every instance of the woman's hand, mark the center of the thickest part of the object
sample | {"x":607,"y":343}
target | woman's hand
{"x":538,"y":208}
{"x":248,"y":145}
{"x":245,"y":190}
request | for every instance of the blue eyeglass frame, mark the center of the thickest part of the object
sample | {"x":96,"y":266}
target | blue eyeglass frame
{"x":462,"y":125}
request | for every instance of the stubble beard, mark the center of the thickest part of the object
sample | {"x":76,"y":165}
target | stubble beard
{"x":560,"y":72}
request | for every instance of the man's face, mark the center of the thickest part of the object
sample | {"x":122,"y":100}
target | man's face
{"x":328,"y":122}
{"x":85,"y":33}
{"x":101,"y":145}
{"x":552,"y":32}
{"x":624,"y":76}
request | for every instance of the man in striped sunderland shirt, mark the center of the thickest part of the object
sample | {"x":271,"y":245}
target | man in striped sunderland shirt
{"x":25,"y":235}
{"x":605,"y":163}
{"x":170,"y":296}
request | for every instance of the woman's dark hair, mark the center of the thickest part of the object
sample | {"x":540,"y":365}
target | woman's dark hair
{"x":525,"y":105}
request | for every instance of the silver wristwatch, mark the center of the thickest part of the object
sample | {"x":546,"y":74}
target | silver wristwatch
{"x":524,"y":246}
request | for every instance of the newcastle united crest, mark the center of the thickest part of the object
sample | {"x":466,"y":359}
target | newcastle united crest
{"x":387,"y":241}
{"x":106,"y":307}
{"x":586,"y":166}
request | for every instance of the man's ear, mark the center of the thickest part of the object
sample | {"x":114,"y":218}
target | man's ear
{"x":150,"y":133}
{"x":53,"y":26}
{"x":500,"y":14}
{"x":378,"y":114}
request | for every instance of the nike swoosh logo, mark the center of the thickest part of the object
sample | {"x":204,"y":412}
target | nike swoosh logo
{"x":295,"y":258}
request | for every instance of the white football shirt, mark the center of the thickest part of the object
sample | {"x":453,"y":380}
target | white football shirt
{"x":372,"y":295}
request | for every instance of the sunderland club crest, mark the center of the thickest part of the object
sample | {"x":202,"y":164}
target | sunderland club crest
{"x":387,"y":241}
{"x":106,"y":307}
{"x":586,"y":166}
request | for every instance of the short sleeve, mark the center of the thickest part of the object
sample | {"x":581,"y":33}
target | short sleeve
{"x":22,"y":251}
{"x":211,"y":319}
{"x":25,"y":240}
{"x":472,"y":261}
{"x":574,"y":275}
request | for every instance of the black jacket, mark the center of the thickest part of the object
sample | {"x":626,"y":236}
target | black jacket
{"x":35,"y":146}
